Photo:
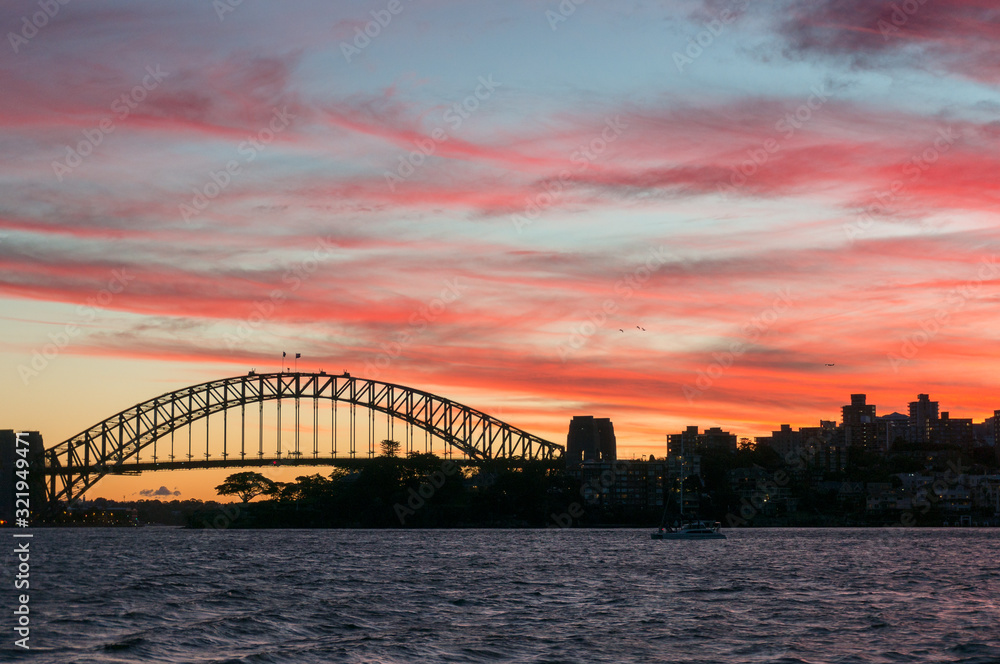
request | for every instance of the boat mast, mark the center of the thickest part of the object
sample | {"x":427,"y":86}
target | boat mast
{"x":683,"y":477}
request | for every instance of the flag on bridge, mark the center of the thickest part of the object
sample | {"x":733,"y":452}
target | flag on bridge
{"x":298,"y":355}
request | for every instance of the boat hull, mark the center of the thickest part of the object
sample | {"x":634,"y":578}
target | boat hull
{"x":691,"y":530}
{"x":687,"y":536}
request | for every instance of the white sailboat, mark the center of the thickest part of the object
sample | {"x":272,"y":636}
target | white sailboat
{"x":690,"y":529}
{"x":686,"y":528}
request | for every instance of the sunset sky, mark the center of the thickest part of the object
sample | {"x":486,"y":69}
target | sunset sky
{"x":666,"y":213}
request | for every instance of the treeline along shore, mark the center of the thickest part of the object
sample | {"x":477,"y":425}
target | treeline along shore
{"x":753,"y":487}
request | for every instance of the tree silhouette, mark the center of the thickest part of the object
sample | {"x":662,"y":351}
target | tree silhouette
{"x":246,"y":485}
{"x":390,"y":448}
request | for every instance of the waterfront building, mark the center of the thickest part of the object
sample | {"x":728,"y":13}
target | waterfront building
{"x":690,"y":441}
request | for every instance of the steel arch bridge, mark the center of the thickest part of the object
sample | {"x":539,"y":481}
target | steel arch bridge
{"x":113,"y":446}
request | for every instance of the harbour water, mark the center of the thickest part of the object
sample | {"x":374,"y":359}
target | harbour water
{"x":763,"y":595}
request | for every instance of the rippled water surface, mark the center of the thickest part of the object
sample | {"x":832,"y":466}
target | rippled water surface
{"x":171,"y":595}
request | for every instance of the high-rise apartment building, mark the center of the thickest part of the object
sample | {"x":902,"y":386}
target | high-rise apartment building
{"x":859,"y":423}
{"x":591,"y":439}
{"x":923,"y":411}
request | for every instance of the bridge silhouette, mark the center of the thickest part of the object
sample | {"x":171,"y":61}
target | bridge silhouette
{"x":135,"y":440}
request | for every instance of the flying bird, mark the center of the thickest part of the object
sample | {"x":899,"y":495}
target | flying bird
{"x":831,"y":365}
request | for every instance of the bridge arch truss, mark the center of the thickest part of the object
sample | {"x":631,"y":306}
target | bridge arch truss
{"x":114,"y":445}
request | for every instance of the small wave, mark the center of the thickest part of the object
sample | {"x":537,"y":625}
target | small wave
{"x":124,"y":644}
{"x":720,"y":589}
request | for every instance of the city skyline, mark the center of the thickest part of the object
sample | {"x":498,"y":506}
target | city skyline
{"x":858,"y":425}
{"x":703,"y":212}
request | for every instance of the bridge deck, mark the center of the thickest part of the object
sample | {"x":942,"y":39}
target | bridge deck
{"x":120,"y":444}
{"x":136,"y":468}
